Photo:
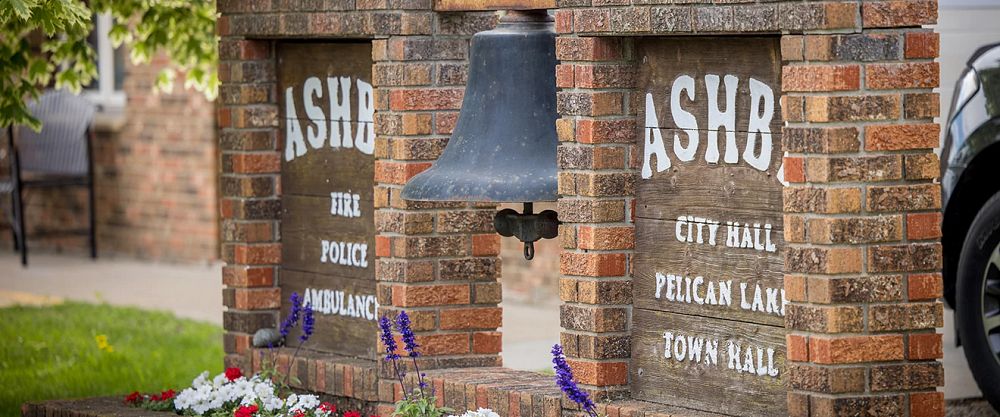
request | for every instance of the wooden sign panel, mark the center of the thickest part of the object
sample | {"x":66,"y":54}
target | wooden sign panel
{"x":327,"y":179}
{"x":708,"y":291}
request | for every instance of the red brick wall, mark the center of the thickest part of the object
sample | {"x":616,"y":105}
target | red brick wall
{"x":860,"y":213}
{"x":155,"y":180}
{"x":437,"y":260}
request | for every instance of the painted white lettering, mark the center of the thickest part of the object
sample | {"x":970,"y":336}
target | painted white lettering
{"x":758,"y":300}
{"x":695,"y":284}
{"x":365,"y":138}
{"x":747,"y":241}
{"x":744,"y":304}
{"x":344,"y":253}
{"x":340,"y":111}
{"x":653,"y":144}
{"x":713,"y":228}
{"x":712,"y":353}
{"x":772,"y":301}
{"x":670,"y":287}
{"x":295,"y":144}
{"x":680,"y":348}
{"x":732,"y":235}
{"x":710,"y":294}
{"x":312,"y":89}
{"x":768,"y":245}
{"x":733,"y":353}
{"x":718,"y":118}
{"x":684,"y":119}
{"x":701,"y":225}
{"x":694,"y":348}
{"x":726,"y":293}
{"x":772,"y":370}
{"x":759,"y":123}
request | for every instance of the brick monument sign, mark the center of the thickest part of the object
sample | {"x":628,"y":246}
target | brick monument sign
{"x":747,"y":193}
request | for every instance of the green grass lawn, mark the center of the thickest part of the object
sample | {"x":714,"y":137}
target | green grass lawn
{"x":53,"y":352}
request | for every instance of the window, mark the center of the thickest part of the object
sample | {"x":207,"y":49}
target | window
{"x":106,"y":91}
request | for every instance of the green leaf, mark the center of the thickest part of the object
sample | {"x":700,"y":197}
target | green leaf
{"x":21,"y":8}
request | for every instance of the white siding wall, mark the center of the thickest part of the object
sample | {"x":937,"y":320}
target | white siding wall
{"x":964,"y":25}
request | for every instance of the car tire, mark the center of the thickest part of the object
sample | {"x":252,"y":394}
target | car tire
{"x":978,"y":299}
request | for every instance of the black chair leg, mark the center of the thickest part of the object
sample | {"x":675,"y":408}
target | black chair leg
{"x":93,"y":222}
{"x":13,"y":223}
{"x":22,"y":231}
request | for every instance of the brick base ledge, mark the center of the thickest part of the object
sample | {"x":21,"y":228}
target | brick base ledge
{"x":511,"y":393}
{"x":88,"y":407}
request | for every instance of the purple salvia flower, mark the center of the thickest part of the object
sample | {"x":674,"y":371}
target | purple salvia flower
{"x":409,"y":339}
{"x":293,"y":315}
{"x":410,"y":345}
{"x":307,"y":323}
{"x":390,"y":343}
{"x":385,"y":328}
{"x":564,"y":378}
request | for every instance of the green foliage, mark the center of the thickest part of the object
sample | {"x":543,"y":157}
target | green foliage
{"x":419,"y":405}
{"x":55,"y":352}
{"x":161,"y":405}
{"x":182,"y":29}
{"x":270,"y":370}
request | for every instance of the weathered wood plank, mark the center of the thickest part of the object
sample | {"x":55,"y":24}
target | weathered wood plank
{"x":735,"y":192}
{"x":328,"y":168}
{"x":345,"y":309}
{"x":699,"y":381}
{"x":332,"y":127}
{"x":742,"y":58}
{"x":722,"y":270}
{"x":306,"y":223}
{"x":709,"y":227}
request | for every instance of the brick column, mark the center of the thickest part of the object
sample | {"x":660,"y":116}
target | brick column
{"x":862,"y":216}
{"x":437,"y":261}
{"x":250,"y":201}
{"x":597,"y":187}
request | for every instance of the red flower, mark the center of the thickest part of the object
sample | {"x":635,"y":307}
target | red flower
{"x":327,"y":407}
{"x":245,"y":411}
{"x":167,"y":395}
{"x":352,"y":413}
{"x":134,"y":398}
{"x":233,"y":373}
{"x":298,"y":413}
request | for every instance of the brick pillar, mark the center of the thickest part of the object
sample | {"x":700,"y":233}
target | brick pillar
{"x":437,"y":261}
{"x":862,"y":216}
{"x":596,"y":187}
{"x":250,"y":201}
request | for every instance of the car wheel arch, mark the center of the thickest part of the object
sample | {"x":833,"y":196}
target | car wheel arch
{"x":977,"y":184}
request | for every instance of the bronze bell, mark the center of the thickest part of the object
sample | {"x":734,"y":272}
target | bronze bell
{"x":503,"y":148}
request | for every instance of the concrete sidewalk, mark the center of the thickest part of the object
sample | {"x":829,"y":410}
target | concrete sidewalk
{"x":190,"y":291}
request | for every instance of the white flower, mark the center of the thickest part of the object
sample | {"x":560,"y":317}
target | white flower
{"x":205,"y":397}
{"x":301,"y":403}
{"x":482,"y":412}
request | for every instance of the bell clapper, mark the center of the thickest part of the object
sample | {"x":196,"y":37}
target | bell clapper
{"x":527,"y":226}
